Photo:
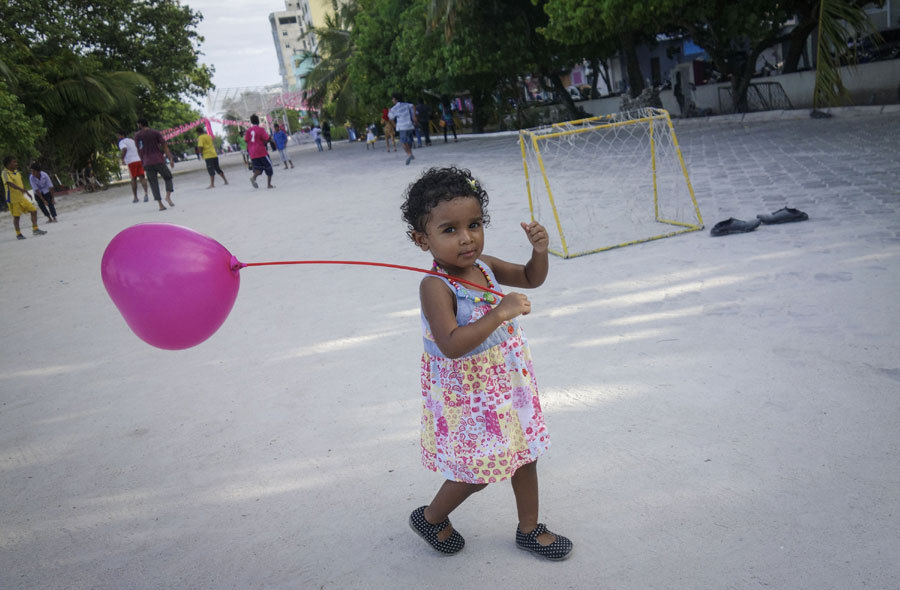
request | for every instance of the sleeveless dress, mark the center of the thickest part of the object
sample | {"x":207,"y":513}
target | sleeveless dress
{"x":481,"y":417}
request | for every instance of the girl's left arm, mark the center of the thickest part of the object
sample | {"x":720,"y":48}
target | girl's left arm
{"x":533,"y":273}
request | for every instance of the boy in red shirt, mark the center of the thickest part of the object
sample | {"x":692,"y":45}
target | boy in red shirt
{"x":256,"y":138}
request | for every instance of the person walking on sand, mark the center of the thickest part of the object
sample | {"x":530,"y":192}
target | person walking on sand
{"x":242,"y":145}
{"x":326,"y":133}
{"x":281,"y":140}
{"x":154,"y":150}
{"x":351,"y":131}
{"x":481,"y":417}
{"x":43,"y":191}
{"x":423,"y":116}
{"x":257,"y":138}
{"x":390,"y":131}
{"x":207,"y":148}
{"x":447,"y":121}
{"x":15,"y":196}
{"x":316,"y":134}
{"x":129,"y":155}
{"x":403,"y":114}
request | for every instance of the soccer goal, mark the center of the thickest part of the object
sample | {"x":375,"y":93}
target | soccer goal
{"x":607,"y":182}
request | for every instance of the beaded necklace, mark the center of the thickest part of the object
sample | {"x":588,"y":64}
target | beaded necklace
{"x":465,"y":293}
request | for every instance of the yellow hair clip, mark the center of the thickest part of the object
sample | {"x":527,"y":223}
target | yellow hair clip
{"x":473,"y":184}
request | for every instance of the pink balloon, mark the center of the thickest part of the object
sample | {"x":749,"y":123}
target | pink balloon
{"x":174,"y":286}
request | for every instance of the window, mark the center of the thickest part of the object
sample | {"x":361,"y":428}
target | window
{"x":284,"y":33}
{"x":287,"y":20}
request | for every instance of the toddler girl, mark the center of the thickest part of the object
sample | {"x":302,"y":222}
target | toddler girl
{"x":481,"y":420}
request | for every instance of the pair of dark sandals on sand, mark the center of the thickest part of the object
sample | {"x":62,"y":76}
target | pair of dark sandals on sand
{"x":558,"y":550}
{"x":735,"y":226}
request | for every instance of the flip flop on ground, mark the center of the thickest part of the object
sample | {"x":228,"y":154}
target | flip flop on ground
{"x":733,"y":226}
{"x":784,"y":215}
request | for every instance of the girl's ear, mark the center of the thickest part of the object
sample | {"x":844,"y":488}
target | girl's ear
{"x":421,"y":240}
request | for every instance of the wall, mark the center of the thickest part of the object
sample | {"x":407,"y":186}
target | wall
{"x":602,"y":106}
{"x":870,"y":83}
{"x":612,"y":104}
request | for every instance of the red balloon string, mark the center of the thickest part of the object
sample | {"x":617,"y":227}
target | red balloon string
{"x":238,"y":265}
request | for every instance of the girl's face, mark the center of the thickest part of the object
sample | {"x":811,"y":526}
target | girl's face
{"x":454,"y":234}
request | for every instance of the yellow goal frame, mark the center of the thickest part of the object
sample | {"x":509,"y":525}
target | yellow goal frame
{"x":648,"y":116}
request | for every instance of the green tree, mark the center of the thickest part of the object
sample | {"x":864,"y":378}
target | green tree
{"x":88,"y":68}
{"x":489,"y":45}
{"x":175,"y":112}
{"x":154,"y":38}
{"x":377,"y":67}
{"x":734,"y":34}
{"x":20,"y":130}
{"x":82,"y":107}
{"x":283,"y":116}
{"x":550,"y":56}
{"x":335,"y":47}
{"x":519,"y":28}
{"x":232,"y":132}
{"x":329,"y":83}
{"x":596,"y":44}
{"x":808,"y":13}
{"x":602,"y":26}
{"x":840,"y":21}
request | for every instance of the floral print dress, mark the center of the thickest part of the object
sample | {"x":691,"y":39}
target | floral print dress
{"x":481,"y":417}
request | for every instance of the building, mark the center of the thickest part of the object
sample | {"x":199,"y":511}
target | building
{"x":292,"y":33}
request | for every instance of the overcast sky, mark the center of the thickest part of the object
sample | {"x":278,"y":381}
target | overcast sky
{"x":238,"y":41}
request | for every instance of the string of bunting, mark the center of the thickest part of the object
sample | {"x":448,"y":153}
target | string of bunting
{"x":175,"y":131}
{"x":230,"y":122}
{"x":170,"y":133}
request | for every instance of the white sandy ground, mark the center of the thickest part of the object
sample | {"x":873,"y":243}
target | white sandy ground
{"x":724,"y":411}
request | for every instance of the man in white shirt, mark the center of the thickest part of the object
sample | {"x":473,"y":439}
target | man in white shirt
{"x":403,"y":114}
{"x":130,"y":157}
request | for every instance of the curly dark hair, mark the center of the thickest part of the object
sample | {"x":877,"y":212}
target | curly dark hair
{"x":435,"y":186}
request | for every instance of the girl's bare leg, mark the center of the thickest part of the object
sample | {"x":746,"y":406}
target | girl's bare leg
{"x":525,"y":487}
{"x":449,"y":496}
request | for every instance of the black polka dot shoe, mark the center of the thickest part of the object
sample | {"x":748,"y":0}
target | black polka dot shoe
{"x":452,"y":544}
{"x":558,"y":550}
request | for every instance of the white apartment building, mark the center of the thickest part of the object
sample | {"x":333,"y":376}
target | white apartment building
{"x":292,"y":35}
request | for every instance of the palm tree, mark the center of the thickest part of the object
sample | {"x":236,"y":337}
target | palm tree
{"x":840,"y":21}
{"x":445,"y":11}
{"x":6,"y":74}
{"x":83,"y":107}
{"x":329,"y":80}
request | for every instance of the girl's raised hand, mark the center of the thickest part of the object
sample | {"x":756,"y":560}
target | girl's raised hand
{"x":513,"y":305}
{"x":537,"y":235}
